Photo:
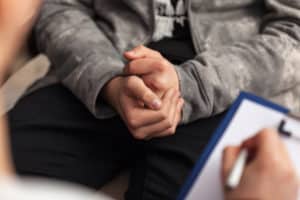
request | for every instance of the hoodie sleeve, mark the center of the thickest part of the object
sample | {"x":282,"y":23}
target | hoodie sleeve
{"x":267,"y":65}
{"x":82,"y":55}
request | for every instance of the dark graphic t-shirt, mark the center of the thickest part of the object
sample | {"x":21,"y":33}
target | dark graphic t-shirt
{"x":172,"y":35}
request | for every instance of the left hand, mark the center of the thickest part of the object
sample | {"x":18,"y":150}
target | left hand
{"x":156,"y":71}
{"x":144,"y":123}
{"x":16,"y":18}
{"x":15,"y":14}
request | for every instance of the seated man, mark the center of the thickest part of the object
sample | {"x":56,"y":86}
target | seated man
{"x":200,"y":55}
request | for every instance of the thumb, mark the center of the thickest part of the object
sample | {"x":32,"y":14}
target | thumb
{"x":141,"y":52}
{"x":138,"y":89}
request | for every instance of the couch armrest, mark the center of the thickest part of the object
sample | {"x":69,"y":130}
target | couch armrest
{"x":22,"y":78}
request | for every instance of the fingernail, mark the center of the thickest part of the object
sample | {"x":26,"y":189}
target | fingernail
{"x":177,"y":94}
{"x":156,"y":104}
{"x":182,"y":101}
{"x":131,"y":52}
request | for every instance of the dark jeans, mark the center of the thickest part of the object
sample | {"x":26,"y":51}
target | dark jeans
{"x":53,"y":135}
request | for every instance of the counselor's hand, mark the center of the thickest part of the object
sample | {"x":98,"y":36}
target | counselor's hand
{"x":158,"y":118}
{"x":16,"y":18}
{"x":156,"y":71}
{"x":269,"y":174}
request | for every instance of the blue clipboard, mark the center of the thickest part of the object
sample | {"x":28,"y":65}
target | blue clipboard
{"x":219,"y":133}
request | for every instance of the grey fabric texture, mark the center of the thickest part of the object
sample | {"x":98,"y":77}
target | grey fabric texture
{"x":250,"y":45}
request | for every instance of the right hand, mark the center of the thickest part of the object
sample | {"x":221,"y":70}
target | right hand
{"x":152,"y":118}
{"x":269,"y":174}
{"x":155,"y":70}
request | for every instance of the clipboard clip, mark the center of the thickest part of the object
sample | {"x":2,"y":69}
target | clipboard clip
{"x":294,"y":116}
{"x":282,"y":130}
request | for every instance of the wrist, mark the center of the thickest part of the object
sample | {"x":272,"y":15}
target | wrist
{"x":111,"y":90}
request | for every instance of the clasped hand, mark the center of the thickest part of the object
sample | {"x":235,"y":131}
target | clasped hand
{"x":147,"y":97}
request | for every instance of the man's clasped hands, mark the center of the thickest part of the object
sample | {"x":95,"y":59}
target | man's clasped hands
{"x":147,"y":96}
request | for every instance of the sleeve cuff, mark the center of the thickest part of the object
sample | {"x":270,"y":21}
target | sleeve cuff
{"x":186,"y":91}
{"x":87,"y":86}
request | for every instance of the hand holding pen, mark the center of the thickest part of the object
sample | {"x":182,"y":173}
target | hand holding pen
{"x":268,"y":171}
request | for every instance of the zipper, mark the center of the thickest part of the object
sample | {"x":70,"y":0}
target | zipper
{"x":192,"y":32}
{"x":152,"y":19}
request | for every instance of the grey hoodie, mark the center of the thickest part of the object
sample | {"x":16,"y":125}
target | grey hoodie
{"x":250,"y":45}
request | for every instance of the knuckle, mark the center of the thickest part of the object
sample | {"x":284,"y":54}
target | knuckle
{"x":288,"y":172}
{"x":127,"y":83}
{"x":266,"y":132}
{"x":163,"y":82}
{"x":275,"y":159}
{"x":157,"y":80}
{"x":158,"y":54}
{"x":122,"y":98}
{"x":168,"y":123}
{"x":173,"y":130}
{"x":130,"y":82}
{"x":138,"y":135}
{"x":164,"y":115}
{"x":164,"y":63}
{"x":226,"y":150}
{"x":129,"y":116}
{"x":264,"y":168}
{"x":133,"y":123}
{"x":170,"y":131}
{"x":126,"y":87}
{"x":130,"y":67}
{"x":268,"y":135}
{"x":140,"y":47}
{"x":157,"y":64}
{"x":290,"y":176}
{"x":146,"y":95}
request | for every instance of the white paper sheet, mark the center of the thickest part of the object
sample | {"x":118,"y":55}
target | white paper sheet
{"x":248,"y":120}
